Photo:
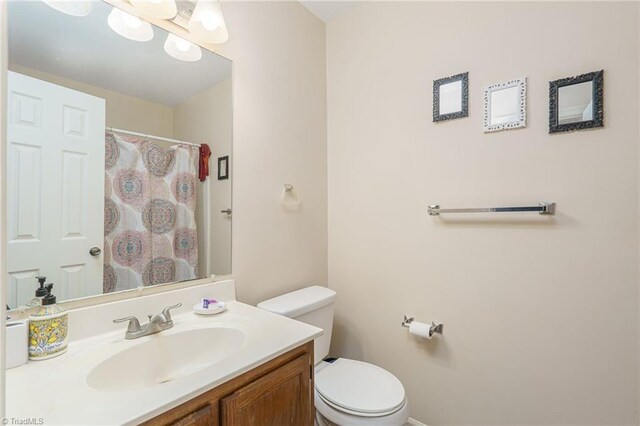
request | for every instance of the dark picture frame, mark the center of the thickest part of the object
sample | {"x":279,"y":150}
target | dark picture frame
{"x":223,"y":167}
{"x":597,"y":77}
{"x":437,"y":117}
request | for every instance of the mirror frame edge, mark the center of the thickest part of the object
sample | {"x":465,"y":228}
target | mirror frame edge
{"x":99,"y":299}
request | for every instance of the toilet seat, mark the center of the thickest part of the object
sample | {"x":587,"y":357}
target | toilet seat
{"x":331,"y":417}
{"x":356,"y":413}
{"x":359,"y":388}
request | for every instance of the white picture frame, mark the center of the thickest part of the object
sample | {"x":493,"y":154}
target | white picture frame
{"x":505,"y":105}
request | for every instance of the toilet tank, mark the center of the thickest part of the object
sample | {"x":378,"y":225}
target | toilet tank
{"x":311,"y":305}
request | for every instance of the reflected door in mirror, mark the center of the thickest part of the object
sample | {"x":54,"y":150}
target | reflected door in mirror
{"x":575,"y":103}
{"x":504,"y":106}
{"x":55,"y":198}
{"x":451,"y":97}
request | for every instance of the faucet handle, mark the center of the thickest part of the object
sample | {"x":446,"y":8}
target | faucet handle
{"x":166,"y":310}
{"x":134,"y":324}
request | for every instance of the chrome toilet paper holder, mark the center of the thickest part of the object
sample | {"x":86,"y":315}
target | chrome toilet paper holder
{"x":434,"y":328}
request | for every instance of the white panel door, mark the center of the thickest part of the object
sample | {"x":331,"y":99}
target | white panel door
{"x":55,"y":189}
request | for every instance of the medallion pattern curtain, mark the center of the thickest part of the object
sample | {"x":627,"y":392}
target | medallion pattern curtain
{"x":149,"y":215}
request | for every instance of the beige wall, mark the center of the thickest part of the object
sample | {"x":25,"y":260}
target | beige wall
{"x":279,"y":136}
{"x":123,"y":111}
{"x":208,"y":118}
{"x":541,"y":314}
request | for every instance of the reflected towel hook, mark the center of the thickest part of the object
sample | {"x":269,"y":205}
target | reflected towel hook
{"x":287,"y":187}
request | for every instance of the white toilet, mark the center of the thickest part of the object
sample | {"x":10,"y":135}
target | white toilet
{"x":347,"y":392}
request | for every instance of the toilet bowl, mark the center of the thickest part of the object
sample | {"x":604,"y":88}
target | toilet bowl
{"x":347,"y":392}
{"x":350,"y":392}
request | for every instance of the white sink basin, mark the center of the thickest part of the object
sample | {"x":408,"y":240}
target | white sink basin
{"x":165,"y":357}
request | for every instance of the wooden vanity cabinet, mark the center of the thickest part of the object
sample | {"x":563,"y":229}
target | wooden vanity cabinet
{"x":279,"y":392}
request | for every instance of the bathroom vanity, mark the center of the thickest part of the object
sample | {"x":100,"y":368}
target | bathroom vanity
{"x":225,"y":369}
{"x":279,"y":392}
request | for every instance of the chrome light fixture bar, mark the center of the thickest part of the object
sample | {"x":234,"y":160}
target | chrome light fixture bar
{"x":161,"y":9}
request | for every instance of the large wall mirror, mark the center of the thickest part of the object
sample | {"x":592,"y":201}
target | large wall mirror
{"x":106,"y":176}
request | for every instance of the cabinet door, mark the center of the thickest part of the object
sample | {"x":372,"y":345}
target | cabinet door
{"x":282,"y":397}
{"x":203,"y":416}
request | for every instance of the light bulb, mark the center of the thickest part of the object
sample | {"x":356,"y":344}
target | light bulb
{"x":129,"y":26}
{"x":183,"y":45}
{"x":209,"y":21}
{"x":182,"y":49}
{"x":131,"y":21}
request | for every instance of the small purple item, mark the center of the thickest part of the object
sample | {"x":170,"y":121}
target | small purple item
{"x":207,"y":302}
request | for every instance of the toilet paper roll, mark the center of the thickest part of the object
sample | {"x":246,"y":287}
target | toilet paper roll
{"x":420,"y":329}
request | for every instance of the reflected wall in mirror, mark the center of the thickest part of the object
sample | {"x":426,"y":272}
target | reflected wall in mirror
{"x":505,"y":105}
{"x":576,"y":103}
{"x":451,"y":97}
{"x":107,"y":152}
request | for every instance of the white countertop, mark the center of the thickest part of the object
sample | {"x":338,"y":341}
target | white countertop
{"x":56,"y":389}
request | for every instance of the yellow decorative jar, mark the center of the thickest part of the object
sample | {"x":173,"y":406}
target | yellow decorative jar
{"x":48,"y":327}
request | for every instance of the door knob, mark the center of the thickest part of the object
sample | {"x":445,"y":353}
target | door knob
{"x":227,"y":211}
{"x":95,"y":251}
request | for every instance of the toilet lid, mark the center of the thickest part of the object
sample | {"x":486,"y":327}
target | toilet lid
{"x":360,"y":387}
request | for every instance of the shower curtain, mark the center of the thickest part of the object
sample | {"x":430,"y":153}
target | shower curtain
{"x":149,"y":213}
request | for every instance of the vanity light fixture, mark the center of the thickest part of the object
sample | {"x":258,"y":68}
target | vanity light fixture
{"x":182,"y":49}
{"x":70,"y":7}
{"x":207,"y":22}
{"x":129,"y":26}
{"x":161,"y":9}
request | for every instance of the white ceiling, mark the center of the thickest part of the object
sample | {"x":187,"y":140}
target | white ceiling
{"x":85,"y":49}
{"x":329,"y":9}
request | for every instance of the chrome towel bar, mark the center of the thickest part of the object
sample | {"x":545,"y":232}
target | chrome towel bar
{"x":542,"y":208}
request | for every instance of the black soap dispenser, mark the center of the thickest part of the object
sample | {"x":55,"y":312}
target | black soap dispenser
{"x":40,"y":293}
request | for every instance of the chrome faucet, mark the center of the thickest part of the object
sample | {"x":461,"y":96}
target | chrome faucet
{"x":157,"y":323}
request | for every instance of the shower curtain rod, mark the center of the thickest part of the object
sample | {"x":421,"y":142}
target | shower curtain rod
{"x":158,"y":138}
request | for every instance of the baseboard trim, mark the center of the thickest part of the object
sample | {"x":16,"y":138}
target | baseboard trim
{"x":414,"y":422}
